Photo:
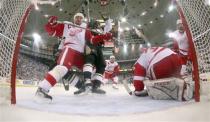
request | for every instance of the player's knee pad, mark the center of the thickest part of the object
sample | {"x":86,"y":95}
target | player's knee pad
{"x":58,"y":72}
{"x":169,"y":88}
{"x":97,"y":76}
{"x":115,"y":79}
{"x":88,"y":68}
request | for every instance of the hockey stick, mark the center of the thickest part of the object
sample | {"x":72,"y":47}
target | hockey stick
{"x":127,"y":88}
{"x":142,"y":93}
{"x":72,"y":24}
{"x":68,"y":79}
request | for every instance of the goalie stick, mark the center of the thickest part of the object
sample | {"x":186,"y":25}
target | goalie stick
{"x":142,"y":93}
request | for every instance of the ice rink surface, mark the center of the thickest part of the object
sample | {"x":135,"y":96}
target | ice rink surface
{"x":115,"y":106}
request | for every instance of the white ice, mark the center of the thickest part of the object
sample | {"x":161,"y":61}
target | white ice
{"x":116,"y":105}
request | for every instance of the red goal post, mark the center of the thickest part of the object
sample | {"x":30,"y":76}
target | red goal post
{"x":13,"y":17}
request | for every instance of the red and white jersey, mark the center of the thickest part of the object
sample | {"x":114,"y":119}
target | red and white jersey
{"x":74,"y":37}
{"x":111,"y":67}
{"x":151,"y":56}
{"x":156,"y":63}
{"x":182,"y":41}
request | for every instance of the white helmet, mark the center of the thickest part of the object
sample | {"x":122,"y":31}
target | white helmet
{"x":79,"y":14}
{"x":112,"y":57}
{"x":179,"y":21}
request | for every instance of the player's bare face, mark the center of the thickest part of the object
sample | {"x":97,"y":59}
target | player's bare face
{"x":112,"y":60}
{"x":78,"y":20}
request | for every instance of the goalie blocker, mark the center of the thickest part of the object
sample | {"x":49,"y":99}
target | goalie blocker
{"x":170,"y":88}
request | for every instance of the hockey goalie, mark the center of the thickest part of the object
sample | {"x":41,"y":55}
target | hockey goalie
{"x":161,"y":66}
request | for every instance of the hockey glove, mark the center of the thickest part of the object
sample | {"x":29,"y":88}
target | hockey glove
{"x":53,"y":20}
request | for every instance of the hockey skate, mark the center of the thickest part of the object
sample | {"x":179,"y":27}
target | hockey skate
{"x":96,"y":87}
{"x":98,"y":90}
{"x":42,"y":96}
{"x":85,"y":89}
{"x":114,"y":86}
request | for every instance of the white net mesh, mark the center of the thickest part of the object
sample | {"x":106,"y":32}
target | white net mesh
{"x":11,"y":15}
{"x":197,"y":15}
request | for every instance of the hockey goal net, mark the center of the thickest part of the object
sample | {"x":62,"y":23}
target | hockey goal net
{"x":13,"y":14}
{"x":196,"y":17}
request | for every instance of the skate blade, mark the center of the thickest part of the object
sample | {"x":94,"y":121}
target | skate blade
{"x":86,"y":92}
{"x":116,"y":88}
{"x":42,"y":100}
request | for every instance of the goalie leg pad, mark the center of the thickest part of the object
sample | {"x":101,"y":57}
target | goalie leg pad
{"x":168,"y":88}
{"x":189,"y":89}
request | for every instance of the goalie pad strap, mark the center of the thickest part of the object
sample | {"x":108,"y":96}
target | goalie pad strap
{"x":88,"y":68}
{"x":98,"y":77}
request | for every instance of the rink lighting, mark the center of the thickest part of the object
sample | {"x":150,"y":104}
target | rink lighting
{"x":36,"y":7}
{"x":46,"y":15}
{"x":170,"y":34}
{"x":127,"y":29}
{"x":132,"y":47}
{"x":140,"y":46}
{"x":125,"y":46}
{"x":170,"y":8}
{"x":207,"y":2}
{"x":53,"y":3}
{"x":123,"y":19}
{"x":60,"y":9}
{"x":85,"y":19}
{"x":139,"y":25}
{"x":161,"y":15}
{"x":143,"y":13}
{"x":151,"y":22}
{"x":37,"y":38}
{"x":148,"y":44}
{"x":155,"y":3}
{"x":120,"y":30}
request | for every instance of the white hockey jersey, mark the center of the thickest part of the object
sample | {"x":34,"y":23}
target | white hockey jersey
{"x":74,"y":37}
{"x":151,"y":56}
{"x":111,"y":67}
